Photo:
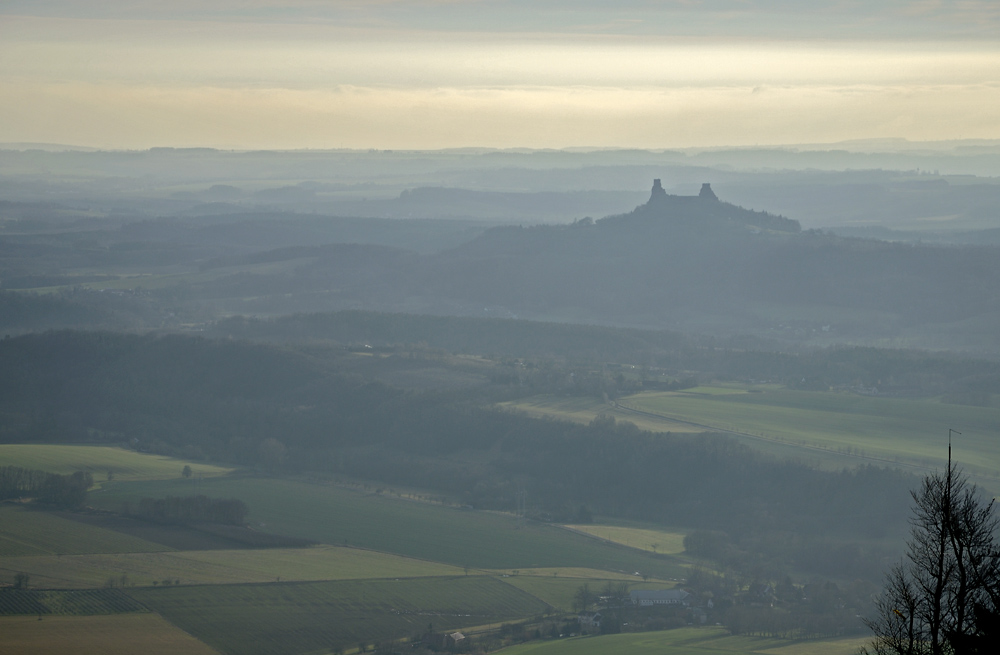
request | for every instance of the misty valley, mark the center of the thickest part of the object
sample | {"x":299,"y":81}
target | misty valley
{"x":526,"y":401}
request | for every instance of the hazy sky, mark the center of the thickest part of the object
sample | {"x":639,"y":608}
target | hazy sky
{"x":448,"y":73}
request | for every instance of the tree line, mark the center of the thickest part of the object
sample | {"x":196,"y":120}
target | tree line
{"x":66,"y":491}
{"x":741,"y":358}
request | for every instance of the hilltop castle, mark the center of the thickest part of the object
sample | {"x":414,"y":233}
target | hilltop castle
{"x":658,"y":193}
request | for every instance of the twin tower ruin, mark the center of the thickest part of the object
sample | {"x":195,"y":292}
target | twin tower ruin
{"x":706,"y":192}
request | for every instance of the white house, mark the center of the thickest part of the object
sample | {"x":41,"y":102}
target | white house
{"x":650,"y":597}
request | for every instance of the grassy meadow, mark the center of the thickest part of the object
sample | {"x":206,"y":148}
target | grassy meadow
{"x":830,"y":430}
{"x":907,"y":431}
{"x":100,"y":460}
{"x":686,"y":641}
{"x":337,"y":516}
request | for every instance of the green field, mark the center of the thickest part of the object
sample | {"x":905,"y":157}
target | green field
{"x":29,"y":532}
{"x":220,"y":566}
{"x":337,"y":516}
{"x":313,"y":616}
{"x":829,"y":429}
{"x":686,"y":641}
{"x":891,"y":429}
{"x":99,"y":460}
{"x":585,"y":410}
{"x":654,"y":541}
{"x":121,"y":634}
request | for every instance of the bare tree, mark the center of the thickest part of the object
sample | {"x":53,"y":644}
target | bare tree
{"x":936,"y":600}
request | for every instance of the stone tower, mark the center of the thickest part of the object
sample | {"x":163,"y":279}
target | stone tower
{"x":706,"y":192}
{"x":658,"y":191}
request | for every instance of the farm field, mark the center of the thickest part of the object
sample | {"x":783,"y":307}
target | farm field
{"x":84,"y":602}
{"x":99,"y":460}
{"x":26,"y":532}
{"x":686,"y":641}
{"x":454,"y":536}
{"x":312,"y":616}
{"x":909,"y":431}
{"x":220,"y":566}
{"x":585,"y":410}
{"x":654,"y":541}
{"x":121,"y":634}
{"x":830,"y":429}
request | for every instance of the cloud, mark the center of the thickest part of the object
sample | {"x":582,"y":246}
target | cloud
{"x":191,"y":54}
{"x":128,"y":116}
{"x":139,"y":82}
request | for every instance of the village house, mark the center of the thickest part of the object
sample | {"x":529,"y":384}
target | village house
{"x":655,"y":597}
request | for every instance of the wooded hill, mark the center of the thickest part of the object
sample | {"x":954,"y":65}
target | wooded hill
{"x":700,"y":264}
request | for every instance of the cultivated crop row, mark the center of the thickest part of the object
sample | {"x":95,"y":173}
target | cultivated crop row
{"x":78,"y":602}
